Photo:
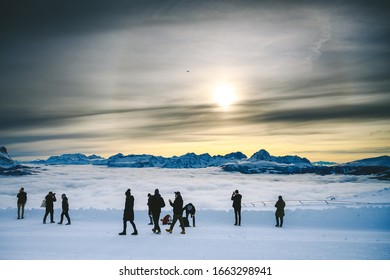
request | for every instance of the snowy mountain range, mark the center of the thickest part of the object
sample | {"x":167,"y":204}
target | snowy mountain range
{"x":263,"y":162}
{"x":259,"y":162}
{"x":9,"y":167}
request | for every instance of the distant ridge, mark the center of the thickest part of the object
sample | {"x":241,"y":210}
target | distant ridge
{"x":259,"y":162}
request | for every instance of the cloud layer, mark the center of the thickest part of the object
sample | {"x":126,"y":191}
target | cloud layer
{"x":138,"y":76}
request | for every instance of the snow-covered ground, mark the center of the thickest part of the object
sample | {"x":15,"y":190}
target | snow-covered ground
{"x":352,"y":226}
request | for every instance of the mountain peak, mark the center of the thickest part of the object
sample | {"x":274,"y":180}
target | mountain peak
{"x":3,"y":150}
{"x":376,"y":161}
{"x":261,"y":155}
{"x":5,"y":159}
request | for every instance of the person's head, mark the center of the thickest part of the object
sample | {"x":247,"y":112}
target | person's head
{"x":236,"y":191}
{"x":177,"y":193}
{"x":156,"y":191}
{"x":149,"y":195}
{"x":128,"y":192}
{"x":21,"y":190}
{"x":280,"y":197}
{"x":50,"y":193}
{"x":63,"y":196}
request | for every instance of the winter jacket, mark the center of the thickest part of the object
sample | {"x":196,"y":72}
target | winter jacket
{"x":128,"y":214}
{"x":280,"y":204}
{"x":177,"y":205}
{"x":65,"y":204}
{"x":22,"y":197}
{"x":236,"y":201}
{"x":190,"y":209}
{"x":50,"y":199}
{"x":156,"y":202}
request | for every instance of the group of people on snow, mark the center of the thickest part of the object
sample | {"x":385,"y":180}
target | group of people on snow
{"x":279,"y":213}
{"x":48,"y":203}
{"x":155,"y":204}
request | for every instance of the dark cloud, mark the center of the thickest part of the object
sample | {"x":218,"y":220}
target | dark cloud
{"x":353,"y":113}
{"x":67,"y":63}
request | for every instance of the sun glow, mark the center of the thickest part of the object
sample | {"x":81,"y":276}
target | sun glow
{"x":224,"y":95}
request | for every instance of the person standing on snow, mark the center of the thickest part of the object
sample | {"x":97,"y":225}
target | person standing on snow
{"x":156,"y":202}
{"x":128,"y":213}
{"x":65,"y":209}
{"x":177,"y":213}
{"x":236,"y":197}
{"x":49,"y":204}
{"x":149,"y":210}
{"x":22,"y":199}
{"x":279,"y":213}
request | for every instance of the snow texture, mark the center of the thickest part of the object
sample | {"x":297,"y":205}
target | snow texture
{"x":333,"y":217}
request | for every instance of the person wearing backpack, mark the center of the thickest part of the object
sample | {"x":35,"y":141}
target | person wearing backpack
{"x":156,"y":202}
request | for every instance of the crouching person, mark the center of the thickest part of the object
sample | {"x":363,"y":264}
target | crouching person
{"x":190,"y":210}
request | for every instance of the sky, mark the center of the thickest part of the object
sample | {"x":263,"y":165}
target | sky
{"x":306,"y":78}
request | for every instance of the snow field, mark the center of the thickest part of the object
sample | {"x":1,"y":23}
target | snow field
{"x":93,"y":235}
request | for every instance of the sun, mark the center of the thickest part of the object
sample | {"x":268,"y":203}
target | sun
{"x":224,"y":95}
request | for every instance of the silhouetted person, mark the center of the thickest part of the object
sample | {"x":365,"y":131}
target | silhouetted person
{"x":236,"y":197}
{"x":128,"y":214}
{"x":50,"y":199}
{"x":22,"y":199}
{"x":149,"y":210}
{"x":177,"y":205}
{"x":156,"y":202}
{"x":190,"y":210}
{"x":279,"y":213}
{"x":65,"y":209}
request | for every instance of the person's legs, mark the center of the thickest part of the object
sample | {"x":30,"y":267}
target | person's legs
{"x":134,"y":227}
{"x":67,"y":217}
{"x":52,"y":215}
{"x":175,"y":217}
{"x":124,"y":228}
{"x":62,"y":218}
{"x":23,"y":211}
{"x":156,"y":218}
{"x":19,"y":206}
{"x":46,"y":214}
{"x":180,"y":217}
